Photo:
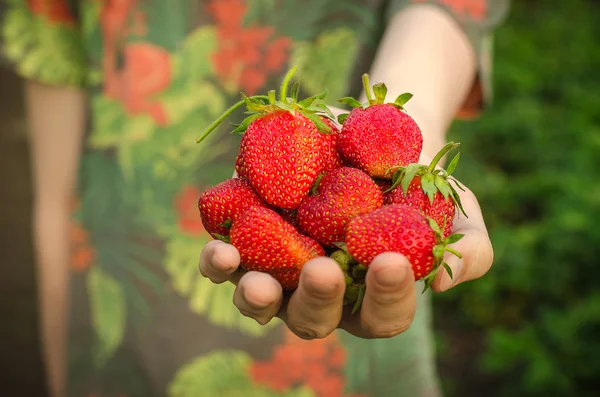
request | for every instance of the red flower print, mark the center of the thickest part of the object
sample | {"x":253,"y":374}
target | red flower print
{"x":317,"y":364}
{"x":82,"y":253}
{"x":147,"y":68}
{"x":114,"y":17}
{"x":147,"y":71}
{"x":475,"y":9}
{"x":276,"y":54}
{"x":56,"y":11}
{"x":245,"y":56}
{"x":228,"y":14}
{"x":186,"y":205}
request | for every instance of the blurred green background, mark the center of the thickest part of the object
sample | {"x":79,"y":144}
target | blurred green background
{"x":531,"y":327}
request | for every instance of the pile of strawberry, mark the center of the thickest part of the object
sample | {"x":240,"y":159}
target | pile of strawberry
{"x":306,"y":188}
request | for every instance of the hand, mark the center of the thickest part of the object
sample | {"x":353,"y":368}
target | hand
{"x":315,"y":309}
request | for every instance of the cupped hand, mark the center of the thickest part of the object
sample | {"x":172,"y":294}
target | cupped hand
{"x":315,"y":309}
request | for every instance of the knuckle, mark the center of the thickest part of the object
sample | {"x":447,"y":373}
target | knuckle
{"x":321,"y":291}
{"x":307,"y":332}
{"x":383,"y":331}
{"x":382,"y":297}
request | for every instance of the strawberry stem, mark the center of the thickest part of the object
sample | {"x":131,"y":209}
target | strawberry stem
{"x":449,"y":146}
{"x":365,"y":79}
{"x":359,"y":301}
{"x":227,"y":113}
{"x":272,"y":97}
{"x":285,"y":83}
{"x":453,"y":251}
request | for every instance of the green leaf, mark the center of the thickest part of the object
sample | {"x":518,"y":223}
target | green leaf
{"x":448,"y":269}
{"x":296,"y":91}
{"x":452,"y":166}
{"x":342,"y":117}
{"x":307,"y":102}
{"x":434,"y":226}
{"x":442,"y":185}
{"x":319,"y":106}
{"x":409,"y":175}
{"x":428,"y":186}
{"x":350,"y":102}
{"x":240,"y":129}
{"x":453,"y":238}
{"x":221,"y":373}
{"x":458,"y":202}
{"x":403,"y":99}
{"x":320,"y":124}
{"x":380,"y":91}
{"x":108,"y":313}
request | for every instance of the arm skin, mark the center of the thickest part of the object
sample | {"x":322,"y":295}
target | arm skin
{"x":424,"y":52}
{"x":56,"y":119}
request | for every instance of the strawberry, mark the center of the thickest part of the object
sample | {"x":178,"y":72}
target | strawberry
{"x":400,"y":228}
{"x":428,"y":189}
{"x":283,"y":150}
{"x":240,"y":170}
{"x":333,"y":159}
{"x":267,"y":243}
{"x":283,"y":156}
{"x":341,"y":195}
{"x":377,"y":135}
{"x":220,"y":205}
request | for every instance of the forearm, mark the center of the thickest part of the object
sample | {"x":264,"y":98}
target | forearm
{"x":56,"y":124}
{"x":425,"y":52}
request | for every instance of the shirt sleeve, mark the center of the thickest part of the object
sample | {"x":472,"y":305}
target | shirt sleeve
{"x":478,"y":19}
{"x":40,"y":40}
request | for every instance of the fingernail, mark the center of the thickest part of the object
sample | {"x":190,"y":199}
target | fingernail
{"x":391,"y":276}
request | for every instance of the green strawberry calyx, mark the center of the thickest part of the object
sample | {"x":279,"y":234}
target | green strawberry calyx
{"x":433,"y":179}
{"x":439,"y":252}
{"x":313,"y":108}
{"x":354,"y":274}
{"x":375,"y":97}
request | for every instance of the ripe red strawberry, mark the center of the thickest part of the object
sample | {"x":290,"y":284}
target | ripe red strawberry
{"x":267,"y":243}
{"x":428,"y":189}
{"x":283,"y":150}
{"x":341,"y":195}
{"x":283,"y":154}
{"x":220,"y":205}
{"x":403,"y":229}
{"x":333,"y":159}
{"x":379,"y":135}
{"x":240,"y":170}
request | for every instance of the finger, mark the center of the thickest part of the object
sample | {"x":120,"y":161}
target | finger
{"x":258,"y":296}
{"x":315,"y":309}
{"x":390,"y":301}
{"x":219,"y":261}
{"x":475,"y":248}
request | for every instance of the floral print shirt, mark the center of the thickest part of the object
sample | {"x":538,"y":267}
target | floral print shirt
{"x":143,"y":321}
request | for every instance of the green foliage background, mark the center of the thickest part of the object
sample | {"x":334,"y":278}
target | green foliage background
{"x":531,"y":327}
